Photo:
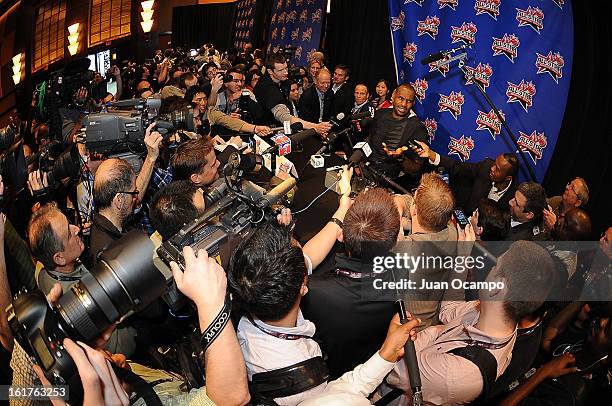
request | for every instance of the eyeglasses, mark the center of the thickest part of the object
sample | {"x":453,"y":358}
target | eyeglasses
{"x":134,"y":193}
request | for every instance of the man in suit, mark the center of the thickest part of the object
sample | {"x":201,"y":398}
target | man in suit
{"x":315,"y":102}
{"x":495,"y":179}
{"x":526,"y":211}
{"x":340,"y":92}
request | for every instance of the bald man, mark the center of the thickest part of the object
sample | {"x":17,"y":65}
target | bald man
{"x":315,"y":102}
{"x":576,"y":194}
{"x":116,"y":192}
{"x":391,"y":130}
{"x":574,"y":226}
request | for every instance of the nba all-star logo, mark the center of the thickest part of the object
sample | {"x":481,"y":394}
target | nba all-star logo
{"x":551,"y":64}
{"x":532,"y":17}
{"x":461,"y":147}
{"x":440,"y":66}
{"x":481,"y":74}
{"x":451,"y":103}
{"x":397,"y":23}
{"x":452,"y":4}
{"x":409,"y":51}
{"x":490,"y":122}
{"x":533,"y":144}
{"x":428,"y":26}
{"x":508,"y":46}
{"x":420,"y":87}
{"x":432,"y":126}
{"x":489,"y":7}
{"x":417,"y":2}
{"x":522,"y":93}
{"x":466,"y":33}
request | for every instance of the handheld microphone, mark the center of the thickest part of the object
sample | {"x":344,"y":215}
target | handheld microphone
{"x":295,"y":127}
{"x":361,"y":150}
{"x":337,"y":121}
{"x":282,"y":143}
{"x":410,"y":358}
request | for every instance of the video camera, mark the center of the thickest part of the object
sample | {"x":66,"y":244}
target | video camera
{"x":123,"y":130}
{"x":129,"y":276}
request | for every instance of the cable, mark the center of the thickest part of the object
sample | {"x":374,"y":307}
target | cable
{"x":315,"y":199}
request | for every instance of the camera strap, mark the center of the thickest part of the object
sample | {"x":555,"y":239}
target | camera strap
{"x":282,"y":336}
{"x":216,"y":327}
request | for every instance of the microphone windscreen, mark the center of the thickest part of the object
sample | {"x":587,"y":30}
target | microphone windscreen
{"x":432,"y":58}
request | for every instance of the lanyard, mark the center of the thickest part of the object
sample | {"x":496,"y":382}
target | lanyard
{"x":475,"y":343}
{"x":282,"y":336}
{"x":351,"y":274}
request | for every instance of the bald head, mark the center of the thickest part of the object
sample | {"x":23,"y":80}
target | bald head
{"x":575,"y":226}
{"x":113,"y":176}
{"x":323,"y":80}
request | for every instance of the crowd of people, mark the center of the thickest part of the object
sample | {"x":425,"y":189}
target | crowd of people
{"x":543,"y":336}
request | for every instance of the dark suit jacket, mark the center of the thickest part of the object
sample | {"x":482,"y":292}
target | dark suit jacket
{"x":521,"y":232}
{"x":470,"y":182}
{"x":343,"y":100}
{"x":309,"y":105}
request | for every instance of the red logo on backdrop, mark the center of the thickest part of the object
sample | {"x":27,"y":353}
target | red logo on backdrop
{"x":461,"y":147}
{"x":466,"y":33}
{"x":428,"y":26}
{"x":440,"y":66}
{"x":551,"y":64}
{"x":451,"y":103}
{"x":397,"y":23}
{"x":533,"y":144}
{"x":281,"y":17}
{"x":295,"y":34}
{"x":304,"y":16}
{"x":522,"y":93}
{"x":420,"y":87}
{"x":559,"y":3}
{"x":532,"y":17}
{"x":452,"y":4}
{"x":490,"y":122}
{"x":490,"y":7}
{"x":432,"y":126}
{"x":508,"y":46}
{"x":481,"y":74}
{"x":409,"y":51}
{"x":417,"y":2}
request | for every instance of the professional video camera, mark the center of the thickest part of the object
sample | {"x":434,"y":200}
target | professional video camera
{"x":65,"y":84}
{"x":129,"y":277}
{"x":118,"y":131}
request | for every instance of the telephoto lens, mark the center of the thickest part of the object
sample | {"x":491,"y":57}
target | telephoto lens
{"x":177,"y":120}
{"x":124,"y":281}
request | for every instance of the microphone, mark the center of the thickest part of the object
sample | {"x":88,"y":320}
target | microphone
{"x":337,"y":121}
{"x":361,"y":150}
{"x":441,"y":55}
{"x":282,"y":143}
{"x":295,"y":127}
{"x":432,"y":58}
{"x":410,"y":358}
{"x":359,"y":116}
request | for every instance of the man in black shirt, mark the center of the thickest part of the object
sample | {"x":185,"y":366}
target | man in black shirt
{"x":391,"y":130}
{"x":269,"y":94}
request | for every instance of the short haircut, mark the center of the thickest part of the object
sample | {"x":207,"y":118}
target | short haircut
{"x":266,"y":273}
{"x":192,"y":91}
{"x":274,"y":59}
{"x":190,"y":158}
{"x":513,"y":161}
{"x":364,"y":85}
{"x":434,"y":202}
{"x":44,"y":243}
{"x":407,"y":86}
{"x":536,"y":199}
{"x":119,"y":178}
{"x":184,"y":78}
{"x":371,"y":225}
{"x":345,"y":68}
{"x":494,"y":220}
{"x":235,"y":70}
{"x":583,"y":193}
{"x":207,"y":66}
{"x":529,"y":273}
{"x":173,"y":103}
{"x":322,"y":70}
{"x":172,"y":207}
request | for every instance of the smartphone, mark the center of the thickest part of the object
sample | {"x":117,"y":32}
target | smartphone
{"x":415,"y":145}
{"x":462,"y":220}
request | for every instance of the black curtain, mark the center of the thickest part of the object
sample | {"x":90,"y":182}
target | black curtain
{"x":584,"y":146}
{"x":193,"y":26}
{"x":263,"y":15}
{"x":358,"y":35}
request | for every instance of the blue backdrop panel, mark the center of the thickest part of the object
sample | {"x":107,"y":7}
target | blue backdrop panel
{"x":298,"y":23}
{"x":521,"y":52}
{"x":245,"y":20}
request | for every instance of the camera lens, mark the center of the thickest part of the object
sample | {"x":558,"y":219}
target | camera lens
{"x":125,"y":280}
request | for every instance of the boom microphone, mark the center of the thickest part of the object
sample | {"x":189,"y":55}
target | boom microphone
{"x":433,"y":58}
{"x":274,"y":195}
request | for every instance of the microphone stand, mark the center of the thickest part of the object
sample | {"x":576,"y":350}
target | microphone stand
{"x":462,"y":57}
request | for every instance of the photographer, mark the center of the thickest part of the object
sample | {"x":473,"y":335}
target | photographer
{"x":175,"y":205}
{"x":237,"y":101}
{"x":116,"y":193}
